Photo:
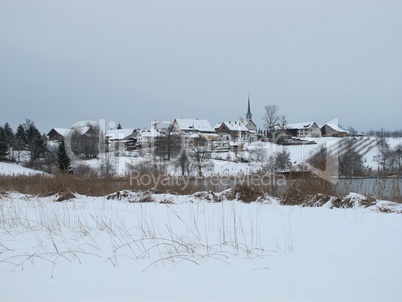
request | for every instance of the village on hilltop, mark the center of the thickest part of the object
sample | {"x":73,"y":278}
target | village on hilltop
{"x":222,"y":136}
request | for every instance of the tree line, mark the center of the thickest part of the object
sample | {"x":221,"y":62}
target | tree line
{"x":27,"y":142}
{"x":26,"y":138}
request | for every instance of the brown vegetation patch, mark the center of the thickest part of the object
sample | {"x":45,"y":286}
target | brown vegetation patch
{"x":293,"y":196}
{"x":317,"y":200}
{"x":309,"y":190}
{"x":40,"y":184}
{"x":245,"y":193}
{"x":342,"y":203}
{"x":368,"y":201}
{"x":352,"y":201}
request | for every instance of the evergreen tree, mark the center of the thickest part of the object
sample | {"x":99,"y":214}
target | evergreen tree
{"x":36,"y":145}
{"x":119,"y":126}
{"x":10,"y":138}
{"x":63,"y":161}
{"x":3,"y":144}
{"x":283,"y":160}
{"x":20,"y":141}
{"x":9,"y":135}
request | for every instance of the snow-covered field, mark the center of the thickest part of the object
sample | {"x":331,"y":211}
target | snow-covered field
{"x":186,"y":248}
{"x":11,"y":169}
{"x":201,"y":247}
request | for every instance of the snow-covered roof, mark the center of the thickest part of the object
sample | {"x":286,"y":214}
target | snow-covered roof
{"x":62,"y":131}
{"x":304,"y":125}
{"x":149,"y":132}
{"x":119,"y":133}
{"x":68,"y":131}
{"x":194,"y":125}
{"x":235,"y":126}
{"x":336,"y":128}
{"x":217,"y":125}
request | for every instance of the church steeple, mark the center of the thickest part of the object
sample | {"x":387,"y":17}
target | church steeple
{"x":249,"y":115}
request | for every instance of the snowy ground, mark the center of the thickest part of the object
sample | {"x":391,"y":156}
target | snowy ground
{"x":229,"y":163}
{"x":11,"y":169}
{"x":186,"y":248}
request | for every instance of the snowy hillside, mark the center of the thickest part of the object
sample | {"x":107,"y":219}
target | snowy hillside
{"x":10,"y":169}
{"x":186,"y":248}
{"x":231,"y":163}
{"x":234,"y":163}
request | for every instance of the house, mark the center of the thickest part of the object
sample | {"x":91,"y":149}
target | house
{"x":235,"y":130}
{"x":145,"y":137}
{"x":119,"y":134}
{"x":187,"y":126}
{"x":121,"y":139}
{"x":58,"y":134}
{"x":333,"y":130}
{"x":194,"y":130}
{"x":307,"y":129}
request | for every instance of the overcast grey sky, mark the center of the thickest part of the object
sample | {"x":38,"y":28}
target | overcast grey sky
{"x":136,"y":61}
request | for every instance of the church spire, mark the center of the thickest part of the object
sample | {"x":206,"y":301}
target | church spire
{"x":249,"y":115}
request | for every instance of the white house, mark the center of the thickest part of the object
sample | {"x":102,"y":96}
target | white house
{"x":306,"y":129}
{"x":186,"y":126}
{"x":236,"y":130}
{"x":145,"y":137}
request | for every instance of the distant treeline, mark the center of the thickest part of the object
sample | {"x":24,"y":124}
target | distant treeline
{"x":385,"y":133}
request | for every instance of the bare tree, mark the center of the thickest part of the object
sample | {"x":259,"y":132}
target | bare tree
{"x":184,"y":162}
{"x":168,"y":146}
{"x":389,"y":159}
{"x":383,"y":158}
{"x":85,"y":141}
{"x":352,"y":131}
{"x":201,"y":156}
{"x":398,"y":157}
{"x":283,"y":122}
{"x":351,"y":161}
{"x":270,"y":118}
{"x":318,"y":158}
{"x":259,"y":154}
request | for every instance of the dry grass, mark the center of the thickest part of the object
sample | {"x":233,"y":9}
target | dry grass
{"x":50,"y":185}
{"x":294,"y":192}
{"x":92,"y":185}
{"x":155,"y":235}
{"x":246,"y":193}
{"x":302,"y":190}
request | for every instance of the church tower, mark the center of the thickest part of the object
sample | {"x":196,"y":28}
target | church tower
{"x":249,"y":118}
{"x":249,"y":115}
